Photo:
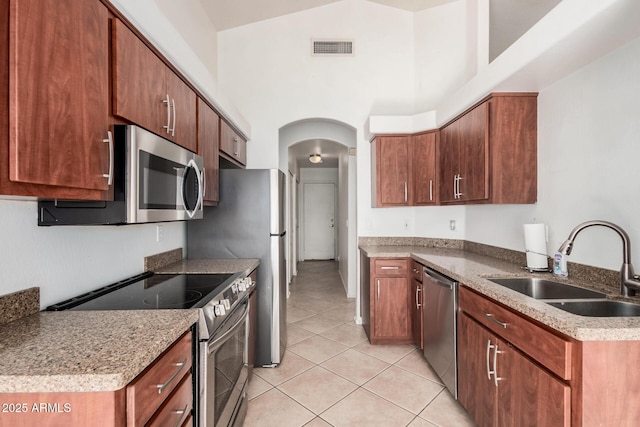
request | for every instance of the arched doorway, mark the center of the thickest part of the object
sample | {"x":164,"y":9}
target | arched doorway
{"x":335,"y":142}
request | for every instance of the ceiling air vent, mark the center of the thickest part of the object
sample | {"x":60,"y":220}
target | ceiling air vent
{"x":331,"y":47}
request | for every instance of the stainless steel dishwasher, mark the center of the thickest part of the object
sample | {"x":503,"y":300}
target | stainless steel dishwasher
{"x":440,"y":302}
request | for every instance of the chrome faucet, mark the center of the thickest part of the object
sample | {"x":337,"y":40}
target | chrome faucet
{"x":629,"y":282}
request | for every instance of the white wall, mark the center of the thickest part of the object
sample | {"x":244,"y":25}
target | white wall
{"x":588,"y":151}
{"x":67,"y":261}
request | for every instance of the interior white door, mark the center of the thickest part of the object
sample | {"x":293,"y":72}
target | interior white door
{"x":319,"y":220}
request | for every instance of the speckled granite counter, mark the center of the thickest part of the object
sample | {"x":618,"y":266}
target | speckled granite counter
{"x":80,"y":351}
{"x":472,"y":269}
{"x":209,"y":266}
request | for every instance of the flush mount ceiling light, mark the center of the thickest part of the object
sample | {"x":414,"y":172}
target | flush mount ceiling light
{"x":315,"y":158}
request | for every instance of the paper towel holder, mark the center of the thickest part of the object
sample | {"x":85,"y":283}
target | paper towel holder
{"x":537,"y":270}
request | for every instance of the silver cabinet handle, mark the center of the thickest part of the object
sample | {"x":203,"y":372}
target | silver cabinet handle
{"x":173,"y":106}
{"x":109,"y":175}
{"x":389,"y":267}
{"x":378,"y":289}
{"x":182,"y":413}
{"x":180,"y":365}
{"x":405,"y":192}
{"x":236,"y":148}
{"x":455,"y":186}
{"x":459,"y":193}
{"x":489,"y":371}
{"x":418,"y":305}
{"x":493,"y":319}
{"x":496,"y":378}
{"x":430,"y":190}
{"x":168,"y":125}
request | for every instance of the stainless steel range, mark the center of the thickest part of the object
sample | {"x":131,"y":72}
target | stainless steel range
{"x":223,"y":329}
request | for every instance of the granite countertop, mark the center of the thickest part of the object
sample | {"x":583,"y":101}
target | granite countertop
{"x":209,"y":266}
{"x":472,"y":269}
{"x":85,"y":351}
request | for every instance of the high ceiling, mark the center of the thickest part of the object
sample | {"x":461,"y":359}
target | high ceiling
{"x":227,"y":14}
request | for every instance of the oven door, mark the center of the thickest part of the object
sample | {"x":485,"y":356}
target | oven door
{"x":224,"y":371}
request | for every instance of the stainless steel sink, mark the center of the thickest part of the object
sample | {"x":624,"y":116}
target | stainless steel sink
{"x":599,"y":308}
{"x":543,"y":289}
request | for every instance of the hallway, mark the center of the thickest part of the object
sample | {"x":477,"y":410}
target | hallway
{"x":332,"y":376}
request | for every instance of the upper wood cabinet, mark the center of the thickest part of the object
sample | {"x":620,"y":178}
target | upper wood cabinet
{"x":148,"y":93}
{"x":464,"y":172}
{"x":208,"y":140}
{"x":233,"y":147}
{"x":54,"y":136}
{"x":489,"y":154}
{"x":425,"y":190}
{"x":391,"y":183}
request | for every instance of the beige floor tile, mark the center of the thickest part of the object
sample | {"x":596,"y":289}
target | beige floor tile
{"x":292,"y":365}
{"x":295,"y":314}
{"x":416,"y":363}
{"x":257,"y":386}
{"x":419,"y":422}
{"x":296,"y":334}
{"x":317,"y":389}
{"x":346,"y":334}
{"x":346,"y":313}
{"x":317,"y":349}
{"x":445,"y":411}
{"x":388,"y":353}
{"x":276,"y":409}
{"x":355,"y":366}
{"x":317,"y":324}
{"x":318,"y":422}
{"x":407,"y":390}
{"x":362,"y":408}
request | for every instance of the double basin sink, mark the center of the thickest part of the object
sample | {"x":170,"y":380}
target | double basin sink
{"x":573,"y":299}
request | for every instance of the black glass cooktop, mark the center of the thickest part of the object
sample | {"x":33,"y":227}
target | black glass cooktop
{"x":148,"y":291}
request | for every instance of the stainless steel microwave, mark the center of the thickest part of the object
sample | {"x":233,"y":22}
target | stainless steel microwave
{"x":154,"y":180}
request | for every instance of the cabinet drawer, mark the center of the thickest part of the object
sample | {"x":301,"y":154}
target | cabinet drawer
{"x":538,"y":343}
{"x":416,"y":271}
{"x":146,"y":393}
{"x":177,"y":408}
{"x":391,"y":267}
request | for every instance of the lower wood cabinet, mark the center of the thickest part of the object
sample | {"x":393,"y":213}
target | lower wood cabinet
{"x":387,"y":308}
{"x":161,"y":395}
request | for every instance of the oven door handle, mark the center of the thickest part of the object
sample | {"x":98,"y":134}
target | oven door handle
{"x":214,"y":345}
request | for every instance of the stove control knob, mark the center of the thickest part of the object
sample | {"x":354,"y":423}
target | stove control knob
{"x":234,"y":288}
{"x":226,"y":304}
{"x":242,"y":286}
{"x":219,"y":310}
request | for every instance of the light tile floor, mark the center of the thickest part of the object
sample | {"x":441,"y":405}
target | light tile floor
{"x":331,"y":376}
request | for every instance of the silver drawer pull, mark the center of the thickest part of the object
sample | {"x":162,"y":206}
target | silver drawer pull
{"x":180,"y":365}
{"x":497,"y":322}
{"x":181,"y":412}
{"x":386,"y":267}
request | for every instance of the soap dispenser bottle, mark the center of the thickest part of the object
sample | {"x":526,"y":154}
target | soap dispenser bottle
{"x":560,"y":265}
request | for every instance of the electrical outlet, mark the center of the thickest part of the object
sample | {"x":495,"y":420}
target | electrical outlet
{"x":452,"y":224}
{"x":159,"y":233}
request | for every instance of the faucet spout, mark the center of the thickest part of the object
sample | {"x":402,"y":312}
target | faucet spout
{"x":628,"y":282}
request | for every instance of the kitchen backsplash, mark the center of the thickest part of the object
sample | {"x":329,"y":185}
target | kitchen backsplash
{"x":154,"y":262}
{"x":19,"y":304}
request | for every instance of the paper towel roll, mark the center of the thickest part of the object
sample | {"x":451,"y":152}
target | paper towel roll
{"x":535,"y":243}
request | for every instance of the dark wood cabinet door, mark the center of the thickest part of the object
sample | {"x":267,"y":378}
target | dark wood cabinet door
{"x":232,"y":145}
{"x":393,"y":171}
{"x":392,"y":311}
{"x":139,"y":89}
{"x":183,"y":112}
{"x":474,"y":150}
{"x":449,"y":162}
{"x":417,"y":318}
{"x":208,"y":140}
{"x":424,"y":169}
{"x":476,"y":391}
{"x":527,"y":394}
{"x":59,"y":93}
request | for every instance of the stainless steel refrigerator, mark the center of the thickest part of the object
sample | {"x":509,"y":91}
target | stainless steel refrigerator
{"x":249,"y":223}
